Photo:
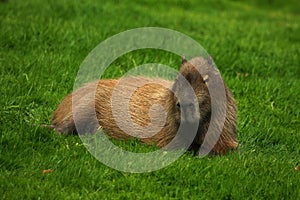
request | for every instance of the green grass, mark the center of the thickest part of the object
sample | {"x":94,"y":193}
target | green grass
{"x":255,"y":44}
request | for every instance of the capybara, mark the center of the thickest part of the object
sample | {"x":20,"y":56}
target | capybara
{"x":151,"y":109}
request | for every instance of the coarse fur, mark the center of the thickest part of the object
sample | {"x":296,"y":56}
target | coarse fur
{"x":105,"y":100}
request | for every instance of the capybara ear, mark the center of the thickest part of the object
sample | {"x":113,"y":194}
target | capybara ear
{"x":210,"y":60}
{"x":183,"y":60}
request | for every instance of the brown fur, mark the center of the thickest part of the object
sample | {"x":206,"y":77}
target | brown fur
{"x":155,"y":91}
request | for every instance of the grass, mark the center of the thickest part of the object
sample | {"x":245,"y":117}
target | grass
{"x":254,"y":43}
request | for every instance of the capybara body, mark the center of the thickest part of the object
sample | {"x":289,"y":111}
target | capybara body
{"x":150,"y":109}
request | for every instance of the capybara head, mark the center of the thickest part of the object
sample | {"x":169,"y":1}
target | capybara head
{"x":191,"y":95}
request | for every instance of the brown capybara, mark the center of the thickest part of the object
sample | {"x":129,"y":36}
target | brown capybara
{"x":154,"y":110}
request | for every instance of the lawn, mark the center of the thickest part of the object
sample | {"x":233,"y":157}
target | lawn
{"x":255,"y":44}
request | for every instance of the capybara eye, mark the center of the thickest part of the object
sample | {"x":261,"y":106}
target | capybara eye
{"x":205,"y":79}
{"x":178,"y":105}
